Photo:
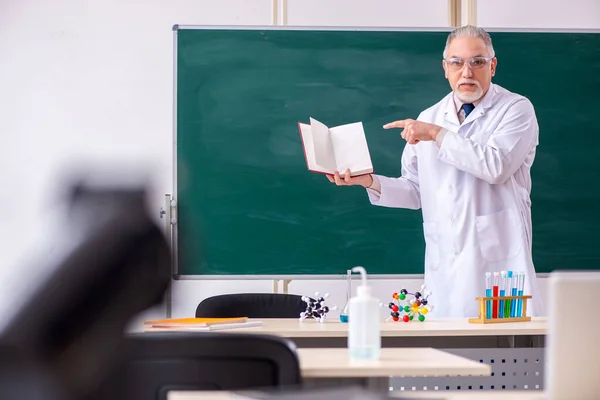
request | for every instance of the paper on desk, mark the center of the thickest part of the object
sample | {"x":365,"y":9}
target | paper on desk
{"x":222,"y":327}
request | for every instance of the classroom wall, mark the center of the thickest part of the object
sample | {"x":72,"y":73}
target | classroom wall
{"x":538,"y":14}
{"x":91,"y":82}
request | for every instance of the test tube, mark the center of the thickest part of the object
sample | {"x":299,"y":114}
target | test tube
{"x":502,"y":293}
{"x":513,"y":292}
{"x":344,"y":312}
{"x":521,"y":287}
{"x":508,"y":304}
{"x":488,"y":293}
{"x":495,"y":294}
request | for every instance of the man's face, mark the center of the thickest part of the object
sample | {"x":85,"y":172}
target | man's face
{"x":469,"y":81}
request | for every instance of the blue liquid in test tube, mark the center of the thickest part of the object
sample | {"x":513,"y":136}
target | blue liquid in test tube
{"x":520,"y":289}
{"x":513,"y":292}
{"x":488,"y":293}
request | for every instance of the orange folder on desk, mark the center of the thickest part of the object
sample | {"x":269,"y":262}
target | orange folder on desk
{"x":194,"y":322}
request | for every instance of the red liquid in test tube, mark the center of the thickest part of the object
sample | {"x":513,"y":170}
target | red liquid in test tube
{"x":495,"y":294}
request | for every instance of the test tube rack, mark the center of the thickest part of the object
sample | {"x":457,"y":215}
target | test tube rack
{"x":483,"y":302}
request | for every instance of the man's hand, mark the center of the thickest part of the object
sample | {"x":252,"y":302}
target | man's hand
{"x":363,"y":180}
{"x":415,"y":131}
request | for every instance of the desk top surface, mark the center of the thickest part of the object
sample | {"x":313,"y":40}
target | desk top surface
{"x":336,"y":363}
{"x":433,"y":327}
{"x":441,"y":395}
{"x":475,"y":394}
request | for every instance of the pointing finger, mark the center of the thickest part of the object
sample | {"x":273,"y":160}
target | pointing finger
{"x":395,"y":124}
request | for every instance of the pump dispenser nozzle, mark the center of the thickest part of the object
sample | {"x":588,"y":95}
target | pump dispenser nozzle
{"x":363,"y":290}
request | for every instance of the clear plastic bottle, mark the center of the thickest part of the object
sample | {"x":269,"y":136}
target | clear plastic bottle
{"x":364,"y":331}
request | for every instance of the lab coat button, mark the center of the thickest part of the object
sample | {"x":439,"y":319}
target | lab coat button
{"x":456,"y":253}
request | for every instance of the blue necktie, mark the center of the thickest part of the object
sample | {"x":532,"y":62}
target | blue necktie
{"x":468,"y":108}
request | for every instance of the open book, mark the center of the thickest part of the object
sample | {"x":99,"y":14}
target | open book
{"x":335,"y":149}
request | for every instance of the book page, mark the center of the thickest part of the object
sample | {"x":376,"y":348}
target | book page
{"x":351,"y":149}
{"x":324,"y":155}
{"x":309,"y":148}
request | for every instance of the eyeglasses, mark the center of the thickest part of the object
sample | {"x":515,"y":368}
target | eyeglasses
{"x":456,"y":64}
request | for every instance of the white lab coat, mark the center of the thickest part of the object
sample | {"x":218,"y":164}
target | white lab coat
{"x":474,"y":195}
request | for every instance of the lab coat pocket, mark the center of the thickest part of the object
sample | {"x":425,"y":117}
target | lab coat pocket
{"x":432,"y":251}
{"x":500,"y":235}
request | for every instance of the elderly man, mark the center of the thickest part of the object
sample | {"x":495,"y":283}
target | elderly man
{"x":467,"y":165}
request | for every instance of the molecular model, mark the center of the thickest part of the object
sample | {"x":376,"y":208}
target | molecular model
{"x":418,"y":306}
{"x":316,"y":308}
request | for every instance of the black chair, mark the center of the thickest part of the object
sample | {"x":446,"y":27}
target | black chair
{"x":251,"y":305}
{"x":155,"y":363}
{"x":115,"y":263}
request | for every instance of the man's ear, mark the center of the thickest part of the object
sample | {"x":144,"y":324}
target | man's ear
{"x":445,"y":69}
{"x":494,"y":63}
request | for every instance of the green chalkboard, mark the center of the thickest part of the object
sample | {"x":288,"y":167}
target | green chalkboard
{"x":247,"y":204}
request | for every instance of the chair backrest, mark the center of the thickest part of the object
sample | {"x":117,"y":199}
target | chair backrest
{"x":154,"y":363}
{"x":251,"y":305}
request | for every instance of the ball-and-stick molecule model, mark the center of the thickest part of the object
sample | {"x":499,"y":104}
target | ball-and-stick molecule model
{"x":418,"y":306}
{"x":316,"y":308}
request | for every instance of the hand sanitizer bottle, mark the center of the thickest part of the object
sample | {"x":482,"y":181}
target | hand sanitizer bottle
{"x":364,"y":334}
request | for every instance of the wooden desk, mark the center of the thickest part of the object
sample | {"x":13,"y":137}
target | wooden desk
{"x":435,"y":327}
{"x":437,"y":333}
{"x":474,"y":395}
{"x":336,"y":363}
{"x":509,"y":347}
{"x":329,"y":366}
{"x":441,"y":395}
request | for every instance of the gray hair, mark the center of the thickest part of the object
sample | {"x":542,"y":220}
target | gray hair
{"x":471,"y":31}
